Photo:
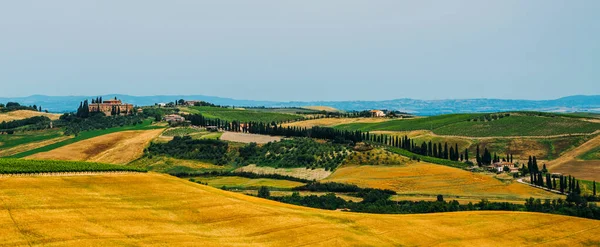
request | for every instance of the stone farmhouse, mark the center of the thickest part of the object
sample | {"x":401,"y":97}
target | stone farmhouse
{"x":174,"y":118}
{"x":377,"y":113}
{"x":108,"y":107}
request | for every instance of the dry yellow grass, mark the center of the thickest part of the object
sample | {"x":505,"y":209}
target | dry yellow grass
{"x":310,"y":174}
{"x":22,"y":114}
{"x":31,"y":146}
{"x":329,"y":122}
{"x":159,"y":210}
{"x":232,"y":181}
{"x":322,"y":108}
{"x":115,"y":148}
{"x":429,"y":179}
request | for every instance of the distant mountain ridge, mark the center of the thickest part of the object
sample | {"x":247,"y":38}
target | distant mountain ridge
{"x":576,"y":103}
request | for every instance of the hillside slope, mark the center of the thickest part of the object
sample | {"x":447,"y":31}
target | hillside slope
{"x":22,"y":114}
{"x":569,"y":163}
{"x":429,"y":179}
{"x":152,"y":209}
{"x":115,"y":148}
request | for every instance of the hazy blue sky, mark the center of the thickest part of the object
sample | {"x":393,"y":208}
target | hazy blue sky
{"x":301,"y":50}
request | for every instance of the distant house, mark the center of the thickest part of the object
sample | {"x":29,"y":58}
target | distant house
{"x":499,"y":166}
{"x":191,"y":102}
{"x":377,"y":113}
{"x":173,"y":118}
{"x":161,"y":104}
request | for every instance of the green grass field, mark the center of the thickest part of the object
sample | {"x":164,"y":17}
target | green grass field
{"x":173,"y":166}
{"x":230,"y":114}
{"x":146,"y":125}
{"x":291,"y":110}
{"x":19,"y":166}
{"x":183,"y":131}
{"x":459,"y":125}
{"x":20,"y":138}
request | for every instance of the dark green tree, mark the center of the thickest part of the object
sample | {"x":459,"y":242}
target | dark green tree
{"x":264,"y":192}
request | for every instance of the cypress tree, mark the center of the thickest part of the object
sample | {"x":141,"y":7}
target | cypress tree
{"x":594,"y":187}
{"x":446,"y":150}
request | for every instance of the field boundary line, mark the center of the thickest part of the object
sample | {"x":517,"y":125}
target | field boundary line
{"x":60,"y":174}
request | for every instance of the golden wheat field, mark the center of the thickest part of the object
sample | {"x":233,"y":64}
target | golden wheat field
{"x":159,"y":210}
{"x":22,"y":114}
{"x":421,"y":178}
{"x":115,"y":148}
{"x":329,"y":122}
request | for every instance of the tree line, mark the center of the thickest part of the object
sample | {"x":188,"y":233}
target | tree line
{"x":15,"y":106}
{"x":378,"y":201}
{"x":33,"y":123}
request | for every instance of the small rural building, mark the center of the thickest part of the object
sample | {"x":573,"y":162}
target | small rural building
{"x":161,"y":104}
{"x":140,"y":110}
{"x":191,"y":102}
{"x":173,"y":118}
{"x":377,"y":113}
{"x":212,"y":128}
{"x":499,"y":166}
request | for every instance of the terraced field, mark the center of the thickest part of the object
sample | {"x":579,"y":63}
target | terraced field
{"x":153,"y":209}
{"x":424,"y":179}
{"x":229,"y":114}
{"x":459,"y":125}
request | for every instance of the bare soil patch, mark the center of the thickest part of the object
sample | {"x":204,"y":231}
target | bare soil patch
{"x":248,"y":138}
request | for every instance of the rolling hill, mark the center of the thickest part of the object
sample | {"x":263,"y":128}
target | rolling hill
{"x":22,"y":114}
{"x":153,"y":209}
{"x":463,"y":125}
{"x":577,"y":103}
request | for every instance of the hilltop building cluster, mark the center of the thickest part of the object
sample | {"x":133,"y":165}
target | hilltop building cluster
{"x":110,"y":107}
